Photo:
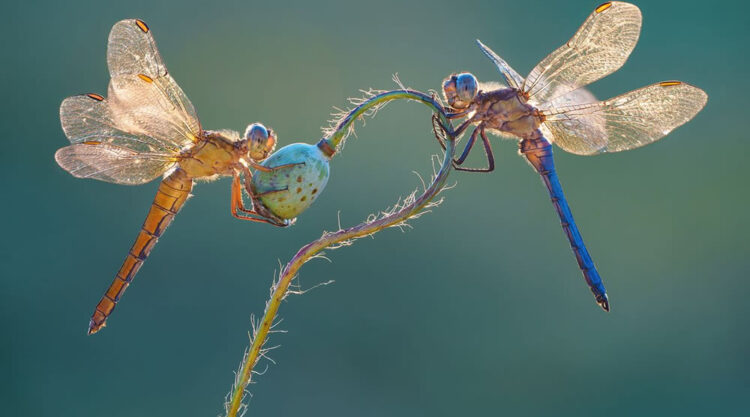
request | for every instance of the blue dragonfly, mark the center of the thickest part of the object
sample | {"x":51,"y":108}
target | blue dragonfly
{"x":551,"y":106}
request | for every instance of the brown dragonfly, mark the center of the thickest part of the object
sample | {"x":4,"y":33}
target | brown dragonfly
{"x":146,"y":128}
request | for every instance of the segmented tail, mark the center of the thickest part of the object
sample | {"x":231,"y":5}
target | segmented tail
{"x":172,"y":193}
{"x":539,"y":153}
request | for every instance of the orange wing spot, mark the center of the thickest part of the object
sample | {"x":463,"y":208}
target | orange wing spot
{"x":142,"y":25}
{"x":92,"y":142}
{"x":669,"y":83}
{"x":96,"y":97}
{"x":602,"y":7}
{"x":145,"y":78}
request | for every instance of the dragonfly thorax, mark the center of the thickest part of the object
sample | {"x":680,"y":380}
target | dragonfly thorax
{"x":216,"y":154}
{"x":506,"y":110}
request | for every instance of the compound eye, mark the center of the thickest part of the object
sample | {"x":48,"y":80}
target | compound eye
{"x":260,"y":141}
{"x":466,"y":87}
{"x":459,"y":90}
{"x":256,"y":133}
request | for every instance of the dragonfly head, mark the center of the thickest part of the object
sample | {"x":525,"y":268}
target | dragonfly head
{"x":260,"y":141}
{"x":460,"y":90}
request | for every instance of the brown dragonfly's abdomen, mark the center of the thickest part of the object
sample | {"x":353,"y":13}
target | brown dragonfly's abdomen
{"x":171,"y":196}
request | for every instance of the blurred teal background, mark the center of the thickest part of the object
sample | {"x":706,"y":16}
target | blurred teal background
{"x":455,"y":317}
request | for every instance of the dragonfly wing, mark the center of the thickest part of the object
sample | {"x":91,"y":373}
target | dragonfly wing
{"x":131,"y":49}
{"x":149,"y":106}
{"x":111,"y":163}
{"x":589,"y":131}
{"x":135,"y":63}
{"x":511,"y":77}
{"x":89,"y":117}
{"x":625,"y":122}
{"x":600,"y":47}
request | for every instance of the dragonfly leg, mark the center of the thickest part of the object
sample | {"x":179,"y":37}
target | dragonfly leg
{"x":269,"y":192}
{"x":487,"y":151}
{"x":467,"y":149}
{"x":237,"y":206}
{"x":460,"y":129}
{"x":437,"y":123}
{"x":457,"y":115}
{"x":254,"y":194}
{"x":440,"y":136}
{"x":262,"y":168}
{"x":449,"y":131}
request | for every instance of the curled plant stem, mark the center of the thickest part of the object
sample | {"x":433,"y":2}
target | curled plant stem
{"x":345,"y":125}
{"x":399,"y":215}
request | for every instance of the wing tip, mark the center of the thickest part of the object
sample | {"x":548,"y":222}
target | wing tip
{"x":485,"y":49}
{"x":699,"y":91}
{"x":635,"y":9}
{"x":58,"y":157}
{"x":142,"y":25}
{"x":66,"y":111}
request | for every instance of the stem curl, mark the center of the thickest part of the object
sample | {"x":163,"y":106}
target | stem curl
{"x":411,"y":209}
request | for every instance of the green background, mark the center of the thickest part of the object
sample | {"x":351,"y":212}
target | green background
{"x":479,"y":310}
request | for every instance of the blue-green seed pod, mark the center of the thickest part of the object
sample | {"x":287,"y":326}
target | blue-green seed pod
{"x":303,"y":183}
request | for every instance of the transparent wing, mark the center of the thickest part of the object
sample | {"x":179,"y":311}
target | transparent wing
{"x":600,"y":47}
{"x":134,"y":62}
{"x":135,"y":134}
{"x":150,"y":106}
{"x":111,"y":163}
{"x":625,"y":122}
{"x":89,"y":117}
{"x":590,"y":132}
{"x":511,"y":77}
{"x":131,"y":49}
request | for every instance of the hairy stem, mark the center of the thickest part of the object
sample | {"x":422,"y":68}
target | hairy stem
{"x":398,"y":216}
{"x":346,"y":123}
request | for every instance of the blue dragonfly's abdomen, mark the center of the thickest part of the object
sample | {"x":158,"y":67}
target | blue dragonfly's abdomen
{"x":539,"y":154}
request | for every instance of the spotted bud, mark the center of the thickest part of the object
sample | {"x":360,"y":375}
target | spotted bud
{"x":287,"y":192}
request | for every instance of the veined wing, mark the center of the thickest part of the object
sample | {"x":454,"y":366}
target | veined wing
{"x":135,"y":134}
{"x":111,"y":163}
{"x":148,"y":106}
{"x":89,"y":117}
{"x":134,"y":62}
{"x":511,"y":77}
{"x":107,"y":148}
{"x":625,"y":122}
{"x":131,"y":49}
{"x":590,"y":132}
{"x":600,"y":47}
